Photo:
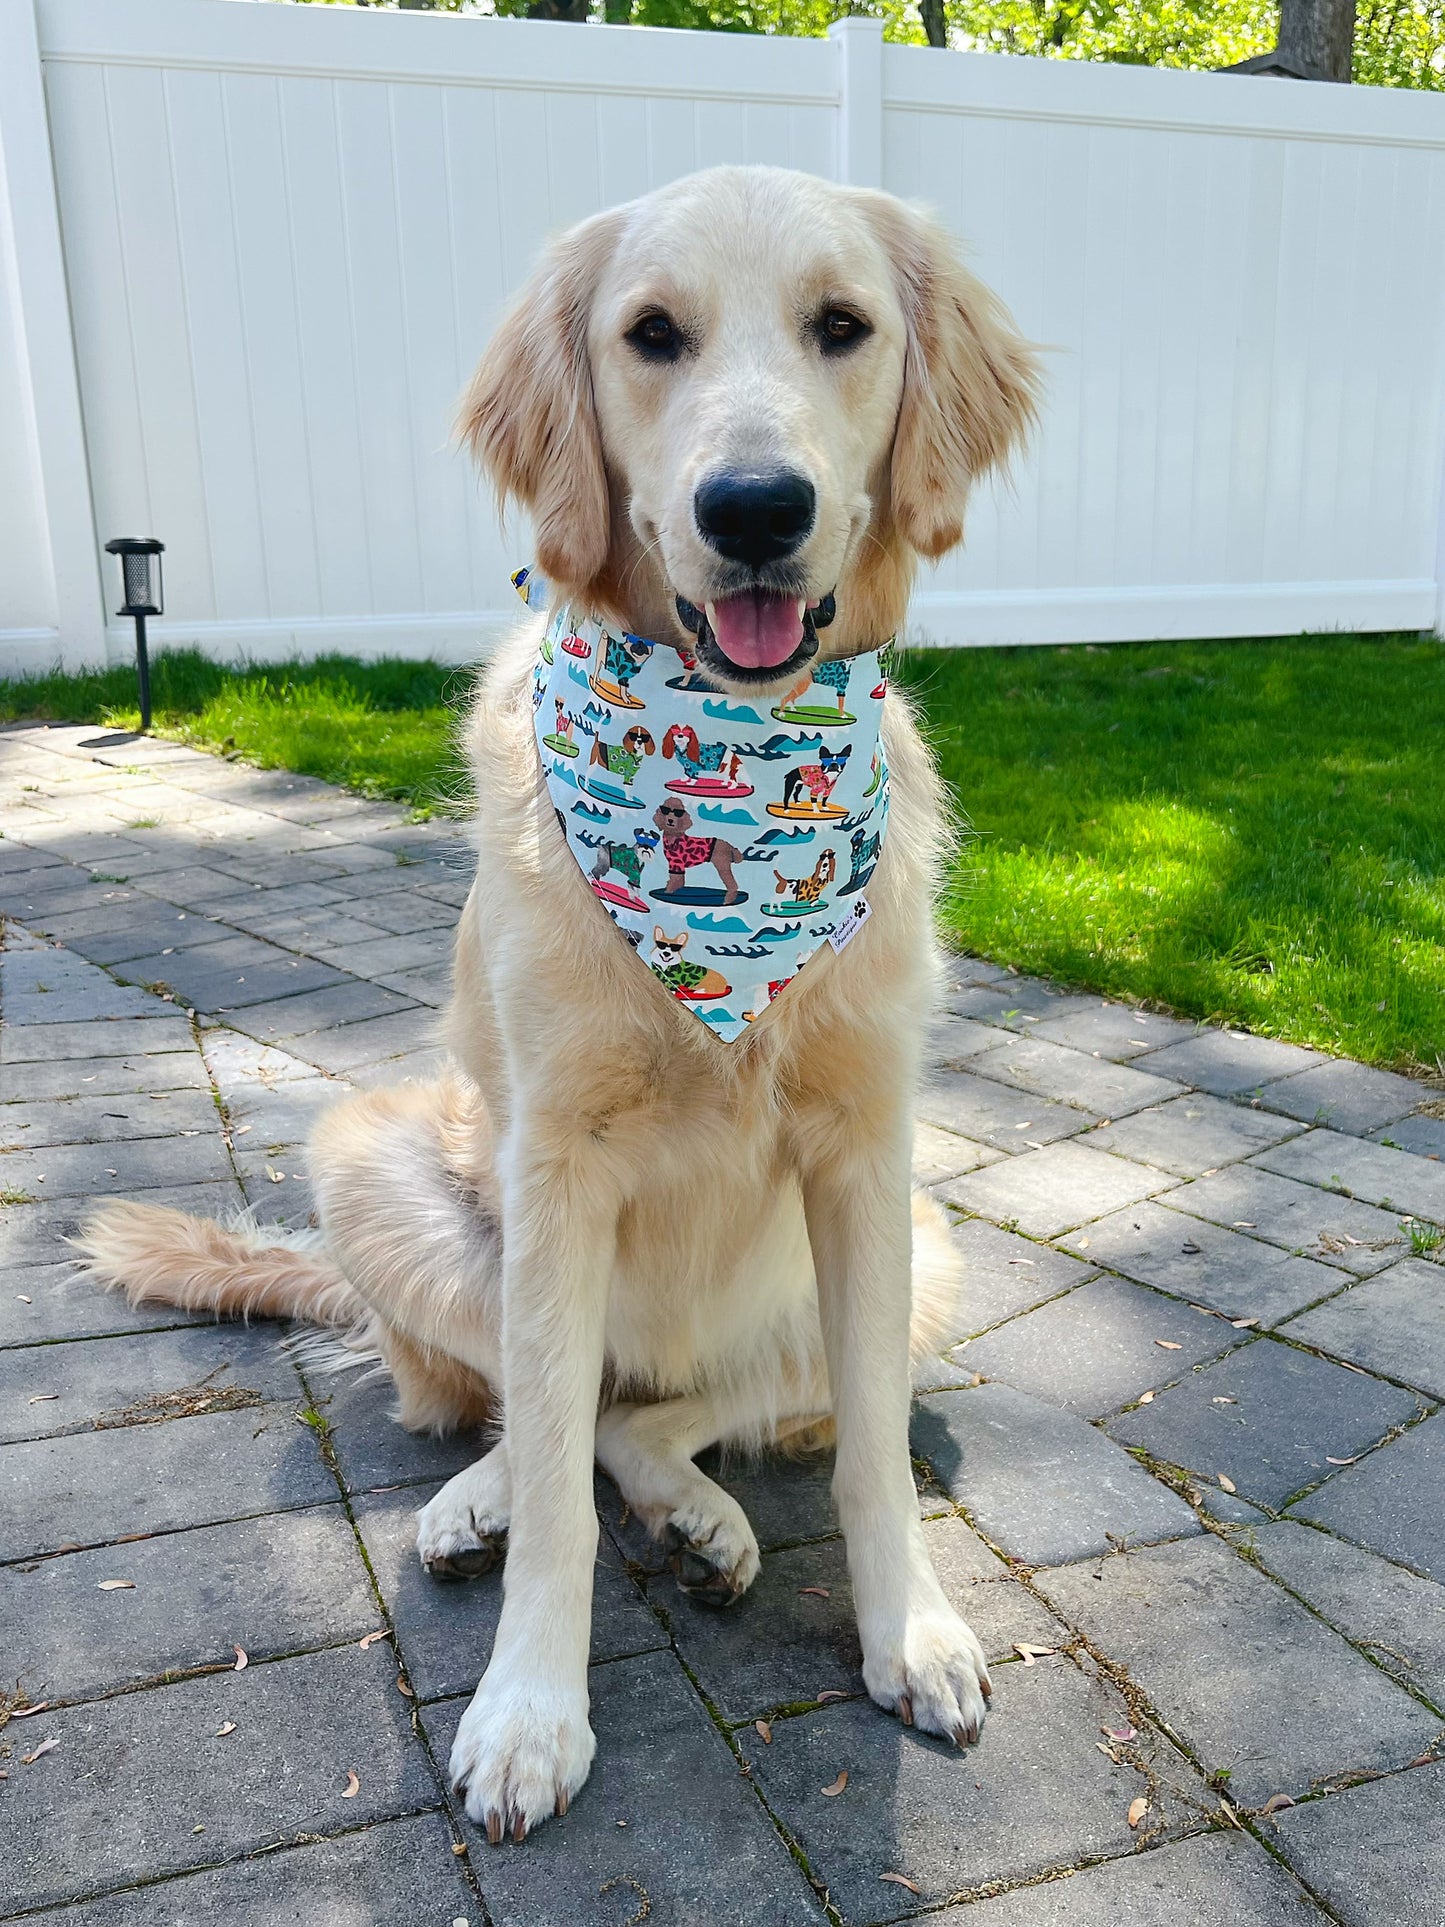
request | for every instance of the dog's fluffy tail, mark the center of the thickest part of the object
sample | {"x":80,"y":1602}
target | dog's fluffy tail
{"x":937,"y":1279}
{"x":157,"y":1256}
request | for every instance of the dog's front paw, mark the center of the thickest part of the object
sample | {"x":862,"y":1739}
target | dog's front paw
{"x":522,"y":1751}
{"x":931,"y":1672}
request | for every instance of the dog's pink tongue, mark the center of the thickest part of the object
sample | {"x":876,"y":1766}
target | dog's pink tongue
{"x":757,"y":631}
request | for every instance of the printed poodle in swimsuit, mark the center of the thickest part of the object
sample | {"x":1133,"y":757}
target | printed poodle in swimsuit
{"x":685,"y":852}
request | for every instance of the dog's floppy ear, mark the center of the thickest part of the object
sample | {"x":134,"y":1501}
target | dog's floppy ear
{"x":529,"y":416}
{"x":970,"y":381}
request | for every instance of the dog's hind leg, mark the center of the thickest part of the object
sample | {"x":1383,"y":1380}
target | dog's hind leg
{"x":648,"y":1451}
{"x":462,"y":1532}
{"x":723,"y":857}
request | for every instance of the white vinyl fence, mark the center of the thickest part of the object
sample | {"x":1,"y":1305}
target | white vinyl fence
{"x":248,"y":254}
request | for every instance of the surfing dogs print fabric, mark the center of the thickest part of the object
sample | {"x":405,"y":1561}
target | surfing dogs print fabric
{"x":727,"y":840}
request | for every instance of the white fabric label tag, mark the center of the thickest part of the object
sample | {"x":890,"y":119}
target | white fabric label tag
{"x":850,"y":926}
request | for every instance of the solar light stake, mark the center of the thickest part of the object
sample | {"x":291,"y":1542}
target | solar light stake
{"x":140,"y":570}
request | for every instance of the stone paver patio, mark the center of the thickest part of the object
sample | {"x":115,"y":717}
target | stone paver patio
{"x":1183,"y":1469}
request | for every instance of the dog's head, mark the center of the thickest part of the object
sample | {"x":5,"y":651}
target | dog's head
{"x":750,"y":394}
{"x":667,"y":950}
{"x":671,"y":818}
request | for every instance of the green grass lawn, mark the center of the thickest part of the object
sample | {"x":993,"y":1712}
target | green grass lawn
{"x":1252,"y":831}
{"x":383,"y":728}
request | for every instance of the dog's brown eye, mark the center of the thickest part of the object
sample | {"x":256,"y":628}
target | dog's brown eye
{"x":840,"y":328}
{"x":656,"y":337}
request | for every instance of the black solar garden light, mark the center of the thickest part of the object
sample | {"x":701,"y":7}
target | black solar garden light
{"x":140,"y":569}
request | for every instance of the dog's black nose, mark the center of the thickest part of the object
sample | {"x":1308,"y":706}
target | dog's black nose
{"x":755,"y":516}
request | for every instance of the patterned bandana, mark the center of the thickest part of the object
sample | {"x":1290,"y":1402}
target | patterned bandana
{"x":726,"y":840}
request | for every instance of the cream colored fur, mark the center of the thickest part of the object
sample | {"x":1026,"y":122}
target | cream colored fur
{"x":623,"y":1236}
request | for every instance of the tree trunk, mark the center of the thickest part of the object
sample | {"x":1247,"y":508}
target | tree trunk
{"x":1319,"y":36}
{"x":934,"y":24}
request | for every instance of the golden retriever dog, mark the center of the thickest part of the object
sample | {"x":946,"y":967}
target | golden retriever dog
{"x":607,"y":1230}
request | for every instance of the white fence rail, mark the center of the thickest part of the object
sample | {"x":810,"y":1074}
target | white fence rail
{"x":249,"y":253}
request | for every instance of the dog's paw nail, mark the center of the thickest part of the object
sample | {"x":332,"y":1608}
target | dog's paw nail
{"x":985,"y":1686}
{"x":563,"y":1802}
{"x":965,"y":1735}
{"x":519,"y":1827}
{"x":905,"y":1709}
{"x":494,"y":1828}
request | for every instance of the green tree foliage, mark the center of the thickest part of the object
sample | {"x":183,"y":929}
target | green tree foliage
{"x":1398,"y":43}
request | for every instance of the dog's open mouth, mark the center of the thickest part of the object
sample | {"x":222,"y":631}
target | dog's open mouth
{"x":756,"y":637}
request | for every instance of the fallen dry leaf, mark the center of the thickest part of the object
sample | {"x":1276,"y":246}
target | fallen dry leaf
{"x":832,"y":1792}
{"x":1245,"y":1224}
{"x":222,"y":1731}
{"x":45,"y":1746}
{"x":1028,"y":1654}
{"x":814,"y":1592}
{"x":242,"y":1662}
{"x":1013,"y":1261}
{"x":831,"y":1694}
{"x":116,"y":1585}
{"x":1137,"y":1809}
{"x":1276,"y":1803}
{"x":1125,"y":1735}
{"x":371,"y":1638}
{"x":1243,"y":1324}
{"x":43,"y":1398}
{"x":402,"y":1687}
{"x":1224,"y":1401}
{"x":1225,"y":1484}
{"x":1192,"y":1250}
{"x":28,"y":1712}
{"x":902,"y":1880}
{"x":1330,"y":1461}
{"x":1146,"y":1398}
{"x":24,"y":1299}
{"x":764,"y":1731}
{"x":276,"y":1177}
{"x":352,"y":1787}
{"x":1168,"y":1345}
